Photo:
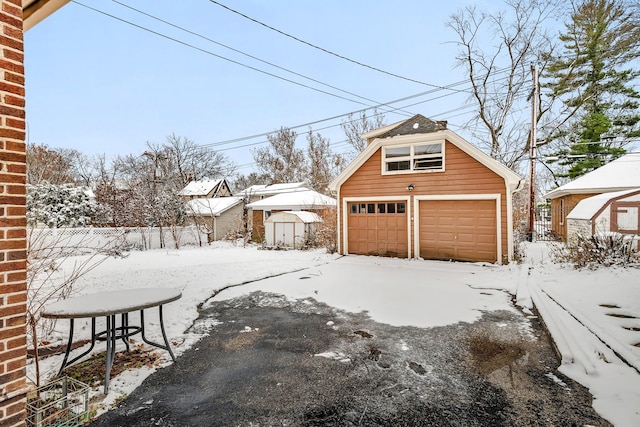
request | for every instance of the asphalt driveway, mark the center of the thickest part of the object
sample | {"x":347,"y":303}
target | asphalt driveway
{"x":269,"y":361}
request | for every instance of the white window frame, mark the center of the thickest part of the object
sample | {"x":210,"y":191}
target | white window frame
{"x":412,"y":158}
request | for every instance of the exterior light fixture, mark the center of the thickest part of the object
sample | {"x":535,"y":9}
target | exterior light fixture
{"x":410,"y":187}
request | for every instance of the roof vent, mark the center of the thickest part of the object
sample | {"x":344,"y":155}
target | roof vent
{"x":416,"y":125}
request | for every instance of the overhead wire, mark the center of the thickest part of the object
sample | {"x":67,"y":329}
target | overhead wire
{"x":378,"y":105}
{"x":323,"y":49}
{"x":245,"y":54}
{"x":216,"y":55}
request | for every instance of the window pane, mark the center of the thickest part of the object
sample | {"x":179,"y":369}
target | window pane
{"x":397,"y":152}
{"x":422,"y":164}
{"x":427,"y":149}
{"x":381,"y":208}
{"x":391,"y":207}
{"x":371,"y":208}
{"x":363,"y":208}
{"x":398,"y":166}
{"x":354,"y":208}
{"x":401,"y":208}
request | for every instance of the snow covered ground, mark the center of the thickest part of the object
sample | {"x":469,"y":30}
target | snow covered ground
{"x":594,"y":316}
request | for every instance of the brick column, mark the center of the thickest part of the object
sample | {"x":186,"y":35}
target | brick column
{"x":13,"y":243}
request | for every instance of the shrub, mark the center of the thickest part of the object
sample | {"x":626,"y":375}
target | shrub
{"x":599,"y":250}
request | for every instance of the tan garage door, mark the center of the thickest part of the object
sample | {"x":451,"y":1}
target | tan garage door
{"x":463,"y":230}
{"x":378,"y":228}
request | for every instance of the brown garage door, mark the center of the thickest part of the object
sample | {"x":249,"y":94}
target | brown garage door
{"x":378,"y":228}
{"x":463,"y":230}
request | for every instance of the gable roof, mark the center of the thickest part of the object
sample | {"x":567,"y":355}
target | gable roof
{"x":620,"y":174}
{"x":200,"y":188}
{"x":211,"y":206}
{"x":435,"y":131}
{"x":413,"y":125}
{"x":296,"y":200}
{"x":271,"y":189}
{"x":591,"y":206}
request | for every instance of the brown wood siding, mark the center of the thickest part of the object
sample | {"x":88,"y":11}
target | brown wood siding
{"x":463,"y":175}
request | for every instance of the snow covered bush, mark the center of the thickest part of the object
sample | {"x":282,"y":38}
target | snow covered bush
{"x":599,"y":250}
{"x":59,"y":205}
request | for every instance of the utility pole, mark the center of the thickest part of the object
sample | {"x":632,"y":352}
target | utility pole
{"x":532,"y":146}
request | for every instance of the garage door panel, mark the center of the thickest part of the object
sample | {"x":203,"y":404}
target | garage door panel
{"x":376,"y":231}
{"x":458,"y":229}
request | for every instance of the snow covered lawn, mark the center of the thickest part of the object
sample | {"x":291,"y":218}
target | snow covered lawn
{"x":593,"y":316}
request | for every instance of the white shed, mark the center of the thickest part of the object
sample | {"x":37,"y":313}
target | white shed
{"x":290,"y":228}
{"x":616,"y":212}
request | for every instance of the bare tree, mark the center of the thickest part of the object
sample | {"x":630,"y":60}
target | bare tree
{"x":497,"y":51}
{"x":354,"y":127}
{"x":191,"y":162}
{"x":45,"y":164}
{"x":281,"y":161}
{"x":323,"y":165}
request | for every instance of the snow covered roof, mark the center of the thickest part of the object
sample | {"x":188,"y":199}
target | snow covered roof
{"x":295,"y":216}
{"x":271,"y":189}
{"x":589,"y":207}
{"x":199,"y":188}
{"x":296,"y":200}
{"x":211,"y":206}
{"x":620,"y":174}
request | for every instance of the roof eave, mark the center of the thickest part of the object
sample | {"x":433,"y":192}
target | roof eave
{"x":34,"y":11}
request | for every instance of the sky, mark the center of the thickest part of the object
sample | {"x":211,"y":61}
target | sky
{"x":105,"y":78}
{"x":577,"y":306}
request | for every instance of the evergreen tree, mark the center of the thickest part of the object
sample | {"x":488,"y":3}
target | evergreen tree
{"x":594,"y":78}
{"x":58,"y":205}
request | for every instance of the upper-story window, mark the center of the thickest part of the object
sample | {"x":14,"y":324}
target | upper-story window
{"x":417,"y":157}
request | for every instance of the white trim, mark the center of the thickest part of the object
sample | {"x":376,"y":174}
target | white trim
{"x":411,"y":157}
{"x":416,"y":215}
{"x":345,"y":217}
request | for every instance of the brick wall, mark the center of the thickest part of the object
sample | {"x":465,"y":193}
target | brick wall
{"x":13,"y":275}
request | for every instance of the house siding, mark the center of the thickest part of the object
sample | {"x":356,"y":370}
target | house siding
{"x":463,"y":175}
{"x":13,"y":242}
{"x":229,"y":221}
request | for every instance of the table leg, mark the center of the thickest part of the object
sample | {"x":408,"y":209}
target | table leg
{"x":124,"y":321}
{"x":111,"y":349}
{"x":70,"y":343}
{"x":166,"y":345}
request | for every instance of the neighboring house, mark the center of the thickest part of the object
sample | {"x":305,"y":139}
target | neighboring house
{"x":614,"y":213}
{"x":618,"y":175}
{"x":290,"y":229}
{"x":218,"y":216}
{"x":206,"y":188}
{"x":419,"y":190}
{"x":300,"y":200}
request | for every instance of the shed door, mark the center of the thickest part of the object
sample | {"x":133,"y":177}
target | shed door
{"x":378,"y":228}
{"x":463,"y":230}
{"x":284,"y":232}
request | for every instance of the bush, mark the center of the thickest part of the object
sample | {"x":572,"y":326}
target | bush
{"x":599,"y":250}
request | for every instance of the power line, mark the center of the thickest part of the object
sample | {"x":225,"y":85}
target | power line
{"x":216,"y":55}
{"x":243,"y":53}
{"x":328,"y":51}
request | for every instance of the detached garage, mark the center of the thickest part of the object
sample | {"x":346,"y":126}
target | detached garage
{"x":421,"y":191}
